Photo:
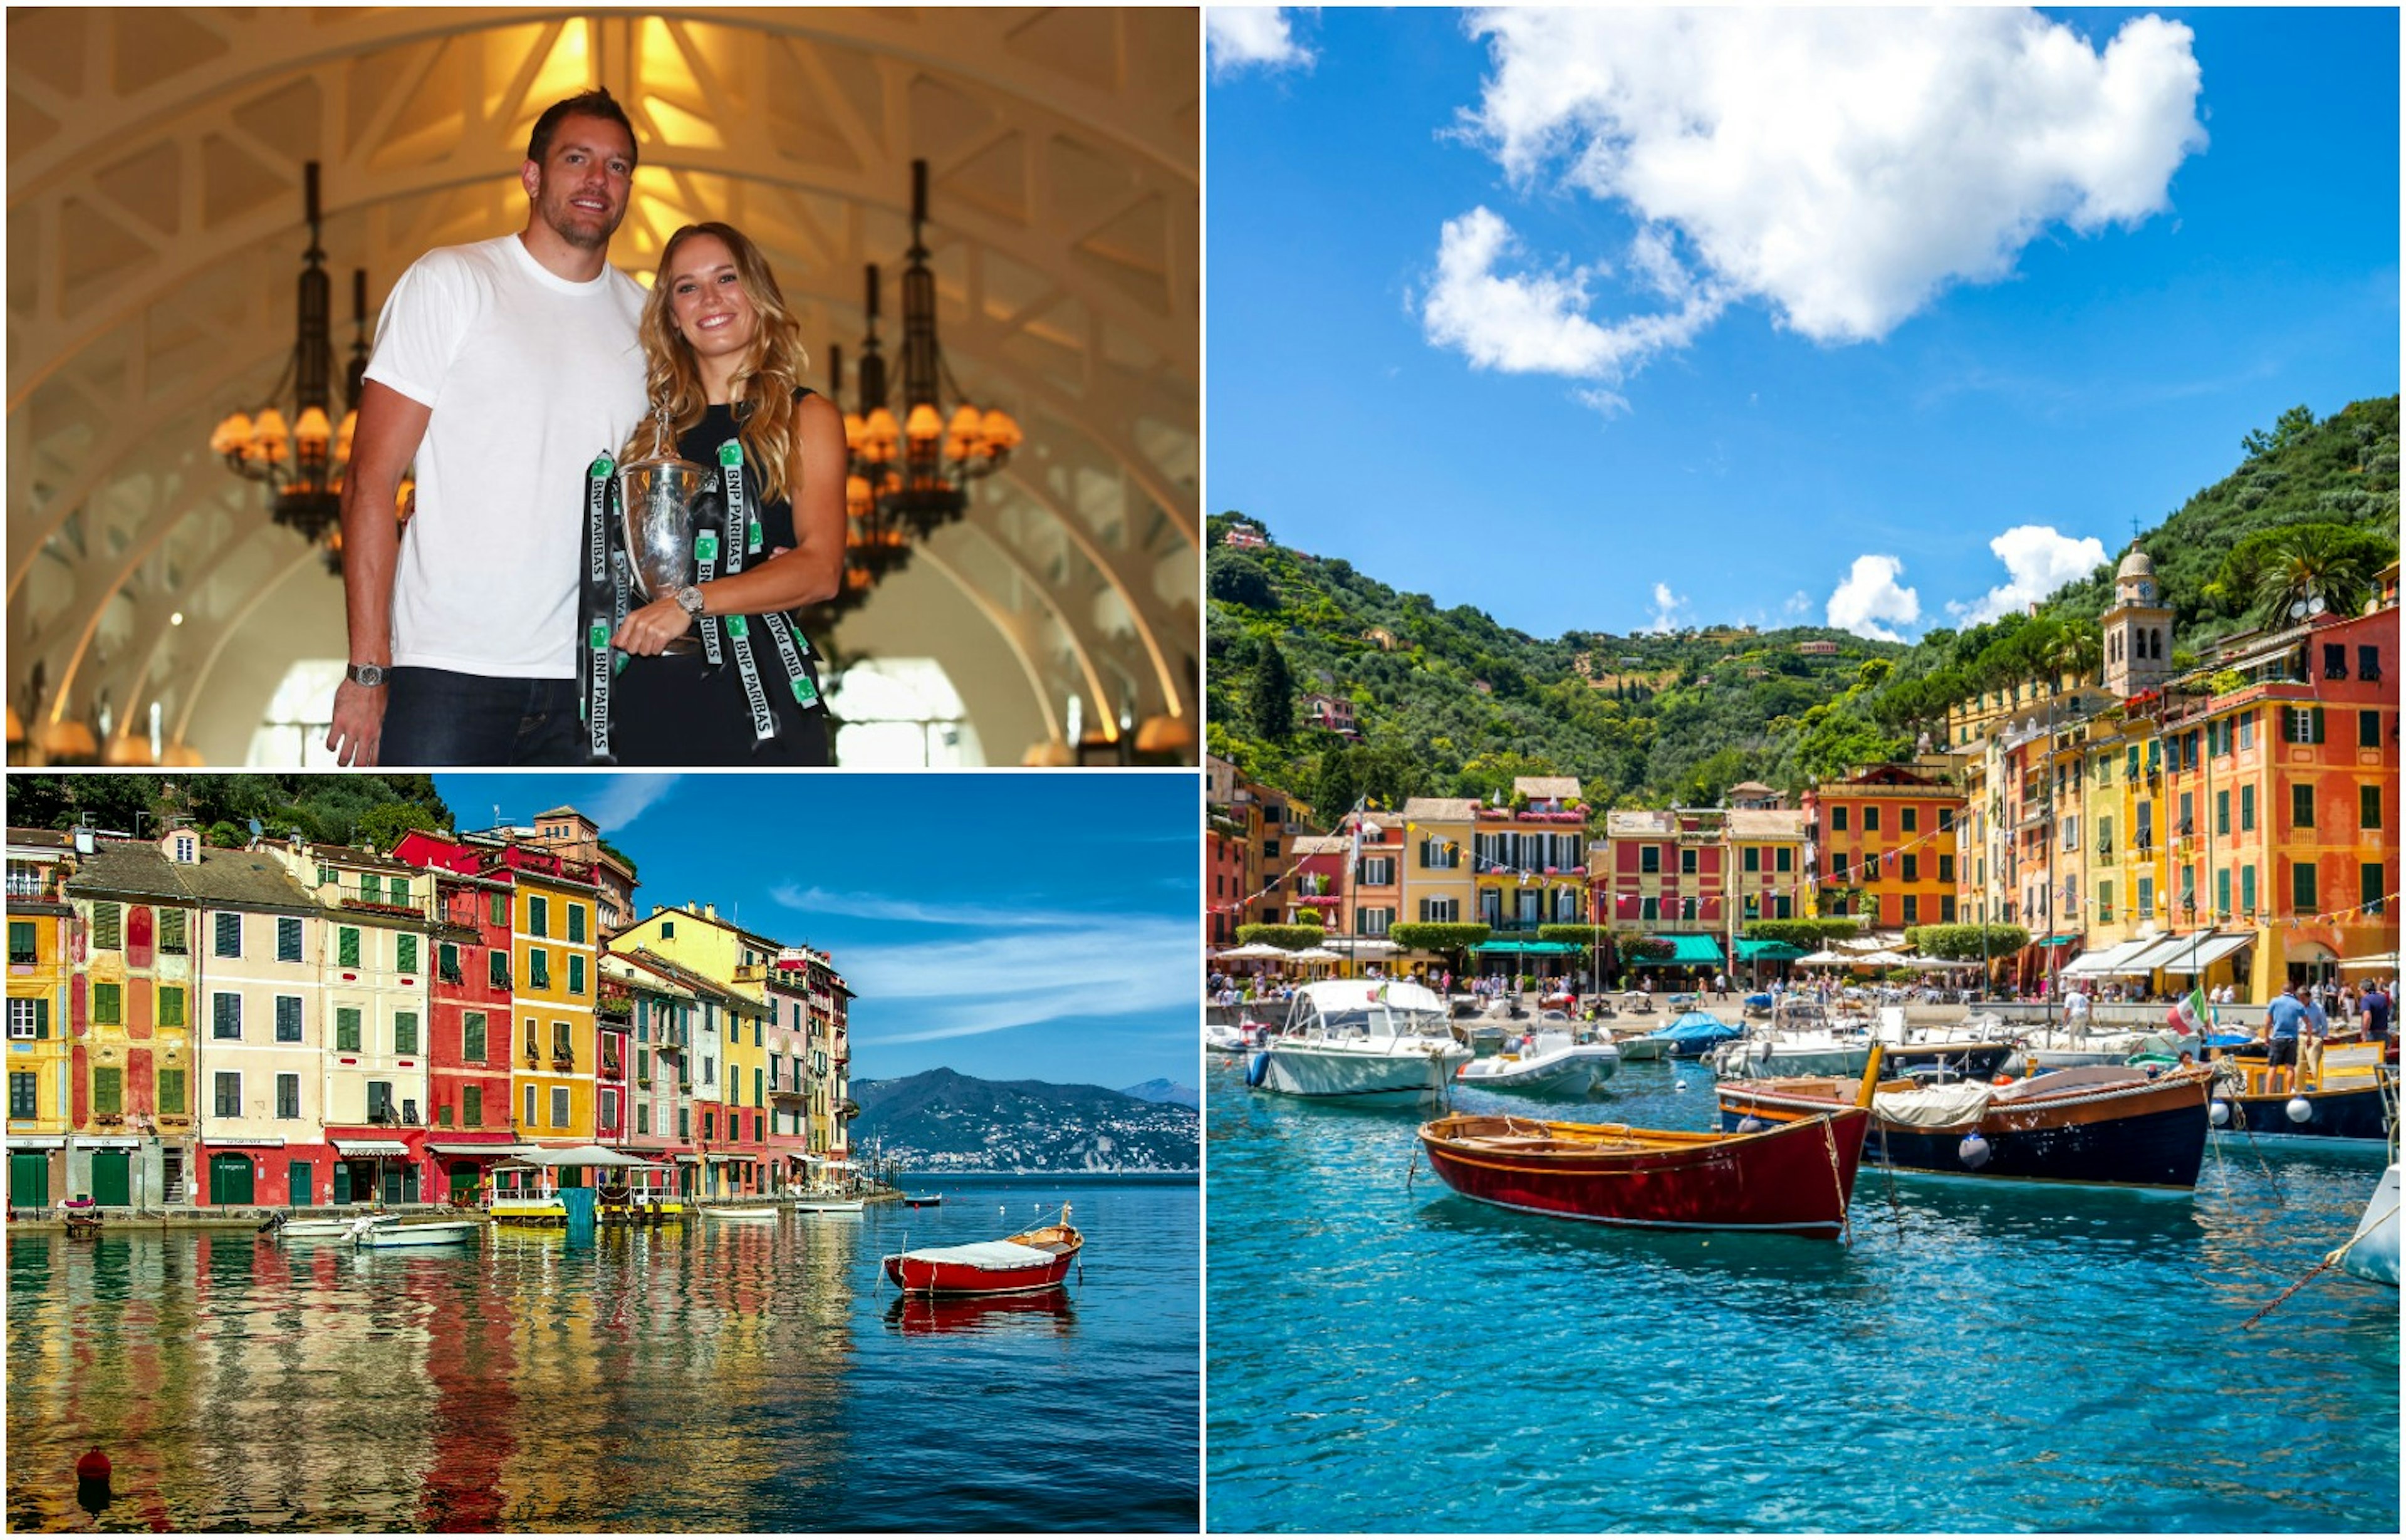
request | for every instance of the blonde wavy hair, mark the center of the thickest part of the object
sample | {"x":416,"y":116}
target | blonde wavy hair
{"x":764,"y":382}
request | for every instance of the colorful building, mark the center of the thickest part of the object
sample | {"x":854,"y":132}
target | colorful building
{"x":729,"y":967}
{"x":1884,"y":843}
{"x":1437,"y":882}
{"x":1315,"y":880}
{"x":41,"y":942}
{"x":1664,"y":871}
{"x":1764,"y":863}
{"x":1529,"y":858}
{"x":469,"y":1005}
{"x":660,"y":1121}
{"x":576,"y":838}
{"x":555,"y":959}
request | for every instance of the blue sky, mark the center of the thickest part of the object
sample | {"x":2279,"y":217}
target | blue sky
{"x":1618,"y":320}
{"x":1040,"y":926}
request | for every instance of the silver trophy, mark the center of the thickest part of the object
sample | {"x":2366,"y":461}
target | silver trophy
{"x":667,"y":502}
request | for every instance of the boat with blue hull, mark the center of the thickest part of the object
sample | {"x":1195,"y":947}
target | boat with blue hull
{"x":2108,"y":1125}
{"x":2350,"y":1097}
{"x":1694,"y":1034}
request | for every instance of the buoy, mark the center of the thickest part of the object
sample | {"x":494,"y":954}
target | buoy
{"x":1750,"y":1125}
{"x":2301,"y":1109}
{"x":1973,"y":1151}
{"x":1678,"y":1085}
{"x":2219,"y":1113}
{"x":93,"y":1467}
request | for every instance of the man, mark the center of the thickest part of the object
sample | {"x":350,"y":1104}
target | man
{"x":2374,"y":1007}
{"x":503,"y":369}
{"x":2286,"y":1016}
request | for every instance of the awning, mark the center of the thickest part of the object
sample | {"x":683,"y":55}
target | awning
{"x":2382,"y":962}
{"x":1527,"y":949}
{"x":2200,"y":955}
{"x":108,"y":1141}
{"x":1768,"y":952}
{"x":1688,"y":951}
{"x":2164,"y":951}
{"x":583,"y":1154}
{"x":215,"y":1143}
{"x":2109,"y":960}
{"x":354,"y":1148}
{"x":37,"y":1141}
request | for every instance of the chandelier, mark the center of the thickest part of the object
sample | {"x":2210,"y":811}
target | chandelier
{"x":913,"y":472}
{"x":303,"y":458}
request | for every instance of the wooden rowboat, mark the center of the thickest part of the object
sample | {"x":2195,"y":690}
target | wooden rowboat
{"x":1795,"y":1179}
{"x":753,"y":1215}
{"x":1034,"y":1259}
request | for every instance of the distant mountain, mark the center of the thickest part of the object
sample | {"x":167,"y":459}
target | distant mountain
{"x":1168,"y":1091}
{"x":943,"y":1120}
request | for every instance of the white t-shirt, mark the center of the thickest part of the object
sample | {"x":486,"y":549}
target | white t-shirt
{"x":529,"y":378}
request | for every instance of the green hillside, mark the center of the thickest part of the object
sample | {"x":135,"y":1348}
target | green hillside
{"x":1450,"y":702}
{"x":332,"y":809}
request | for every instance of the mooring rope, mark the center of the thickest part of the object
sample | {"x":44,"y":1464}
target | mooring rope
{"x":2327,"y":1263}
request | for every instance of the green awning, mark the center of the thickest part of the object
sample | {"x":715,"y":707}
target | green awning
{"x":1690,"y":950}
{"x":1528,"y":948}
{"x":2061,"y":940}
{"x":1767,"y":951}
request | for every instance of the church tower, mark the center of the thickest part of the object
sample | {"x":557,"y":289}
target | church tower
{"x":2138,"y":629}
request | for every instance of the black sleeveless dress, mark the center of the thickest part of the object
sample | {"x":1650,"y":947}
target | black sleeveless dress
{"x":676,"y":709}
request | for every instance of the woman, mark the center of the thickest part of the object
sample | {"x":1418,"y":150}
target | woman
{"x":723,"y":357}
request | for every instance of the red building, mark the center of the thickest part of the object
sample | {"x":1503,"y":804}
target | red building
{"x":613,"y":1016}
{"x":1316,"y":882}
{"x":1224,"y":855}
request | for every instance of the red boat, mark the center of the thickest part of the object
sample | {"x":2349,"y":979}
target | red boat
{"x":1792,"y":1180}
{"x":1034,"y":1259}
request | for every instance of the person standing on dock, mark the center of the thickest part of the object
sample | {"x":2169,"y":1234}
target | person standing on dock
{"x":2373,"y":1006}
{"x":2286,"y":1016}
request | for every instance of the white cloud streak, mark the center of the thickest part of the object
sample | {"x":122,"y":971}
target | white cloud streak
{"x":1667,"y":606}
{"x":1258,"y":36}
{"x":1871,"y":601}
{"x":1095,"y":970}
{"x":1843,"y":167}
{"x":2040,"y":559}
{"x":623,"y":798}
{"x":878,"y":906}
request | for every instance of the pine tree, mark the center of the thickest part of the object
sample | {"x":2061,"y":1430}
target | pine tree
{"x":1271,"y":701}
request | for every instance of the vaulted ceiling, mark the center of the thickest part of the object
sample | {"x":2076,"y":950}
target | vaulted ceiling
{"x":155,"y":169}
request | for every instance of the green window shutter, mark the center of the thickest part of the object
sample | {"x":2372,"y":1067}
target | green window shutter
{"x":472,"y":1036}
{"x":407,"y":948}
{"x":2318,"y":724}
{"x":2369,"y":890}
{"x":108,"y":1090}
{"x":171,"y":1006}
{"x":577,"y":922}
{"x":171,"y":1090}
{"x":2247,"y":809}
{"x":539,"y":969}
{"x":397,"y":890}
{"x":109,"y":927}
{"x":42,"y":1018}
{"x":575,"y":975}
{"x":2248,"y":888}
{"x":472,"y":1107}
{"x":346,"y":1028}
{"x":22,"y":944}
{"x":371,"y":888}
{"x":448,"y":958}
{"x":225,"y":1016}
{"x":287,"y":940}
{"x":2303,"y":888}
{"x":2368,"y":807}
{"x":288,"y":1018}
{"x":173,"y":933}
{"x":404,"y":1031}
{"x":538,"y":916}
{"x":327,"y":875}
{"x":106,"y":1004}
{"x":498,"y":911}
{"x":2222,"y":891}
{"x":346,"y":946}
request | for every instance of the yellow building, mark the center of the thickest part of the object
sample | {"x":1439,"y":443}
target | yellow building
{"x":1529,"y":859}
{"x":555,"y":979}
{"x":1438,"y":884}
{"x":40,"y":926}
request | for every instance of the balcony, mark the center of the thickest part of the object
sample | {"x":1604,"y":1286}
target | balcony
{"x":562,"y":1064}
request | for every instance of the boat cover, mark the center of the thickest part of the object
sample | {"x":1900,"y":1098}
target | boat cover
{"x":1935,"y":1106}
{"x":991,"y":1256}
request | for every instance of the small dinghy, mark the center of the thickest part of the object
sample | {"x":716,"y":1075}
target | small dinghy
{"x":923,"y":1200}
{"x":829,"y":1206}
{"x":319,"y":1229}
{"x":748,"y":1214}
{"x":368,"y":1231}
{"x":1034,"y":1259}
{"x":1551,"y":1065}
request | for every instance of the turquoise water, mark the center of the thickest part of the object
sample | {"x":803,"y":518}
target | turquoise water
{"x":715,"y":1378}
{"x":1386,"y":1357}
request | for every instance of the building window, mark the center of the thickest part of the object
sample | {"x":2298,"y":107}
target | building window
{"x":108,"y":927}
{"x":1947,"y":909}
{"x":346,"y":946}
{"x":1945,"y":819}
{"x":404,"y":1031}
{"x":576,"y":972}
{"x":2247,"y":809}
{"x":1837,"y":866}
{"x":2301,"y":806}
{"x":2301,"y":724}
{"x":1440,"y":910}
{"x":560,"y":1046}
{"x":347,"y":1029}
{"x":1373,"y":921}
{"x":2302,"y":889}
{"x":1783,"y":859}
{"x":538,"y":915}
{"x":643,"y":1118}
{"x":287,"y":1095}
{"x":709,"y":1125}
{"x":560,"y":1107}
{"x":1378,"y":870}
{"x":23,"y":1090}
{"x":174,"y":925}
{"x":1908,"y":820}
{"x":2334,"y":660}
{"x":685,"y":1122}
{"x":2106,"y":900}
{"x":2221,"y":812}
{"x":1649,"y":859}
{"x":225,"y":1016}
{"x":29,"y":1018}
{"x":1838,"y":819}
{"x":1871,"y":820}
{"x":371,"y":888}
{"x":497,"y":909}
{"x":668,"y":933}
{"x":1912,"y":866}
{"x":472,"y":1036}
{"x":22,"y":952}
{"x":1687,"y":862}
{"x":497,"y":969}
{"x":2222,"y":892}
{"x":2370,"y":892}
{"x":1912,"y":908}
{"x":106,"y":1004}
{"x":608,"y":1117}
{"x":575,"y":922}
{"x":288,"y":939}
{"x":2146,"y":899}
{"x":2367,"y":730}
{"x":404,"y":953}
{"x":229,"y":936}
{"x":530,"y":1107}
{"x":472,"y":1107}
{"x":229,"y":1094}
{"x":2248,"y":888}
{"x":1947,"y":869}
{"x":288,"y":1018}
{"x":538,"y":969}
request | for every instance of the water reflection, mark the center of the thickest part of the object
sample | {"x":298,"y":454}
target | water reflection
{"x":1049,"y":1312}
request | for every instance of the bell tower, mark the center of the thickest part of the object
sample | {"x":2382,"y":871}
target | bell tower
{"x":2138,"y":629}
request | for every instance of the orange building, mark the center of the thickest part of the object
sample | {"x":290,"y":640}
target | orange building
{"x":1884,"y":843}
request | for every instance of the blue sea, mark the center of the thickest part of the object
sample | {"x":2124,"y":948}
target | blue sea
{"x":712,"y":1377}
{"x":1387,"y":1356}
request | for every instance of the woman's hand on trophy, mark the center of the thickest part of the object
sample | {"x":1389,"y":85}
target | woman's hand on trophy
{"x":648,"y":632}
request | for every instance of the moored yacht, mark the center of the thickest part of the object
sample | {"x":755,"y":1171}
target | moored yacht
{"x":1360,"y":1040}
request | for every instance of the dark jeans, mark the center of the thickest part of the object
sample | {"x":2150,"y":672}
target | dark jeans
{"x":437,"y":719}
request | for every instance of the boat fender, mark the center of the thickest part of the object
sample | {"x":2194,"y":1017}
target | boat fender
{"x":1973,"y":1151}
{"x":1259,"y":1069}
{"x":2219,"y":1112}
{"x":2299,"y":1110}
{"x":1750,"y":1125}
{"x":1678,"y":1085}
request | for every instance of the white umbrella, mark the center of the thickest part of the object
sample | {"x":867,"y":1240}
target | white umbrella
{"x":1316,"y":955}
{"x":1257,"y":949}
{"x":1825,"y":959}
{"x":1882,"y":959}
{"x":1938,"y":964}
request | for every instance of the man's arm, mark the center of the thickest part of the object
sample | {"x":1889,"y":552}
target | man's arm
{"x":383,"y":442}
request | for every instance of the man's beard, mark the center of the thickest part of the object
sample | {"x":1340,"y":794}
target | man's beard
{"x":582,"y":236}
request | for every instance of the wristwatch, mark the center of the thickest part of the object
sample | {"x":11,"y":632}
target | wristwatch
{"x":689,"y":600}
{"x":369,"y":675}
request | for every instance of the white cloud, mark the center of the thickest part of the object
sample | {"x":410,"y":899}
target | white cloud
{"x":1667,"y":606}
{"x":2040,"y":560}
{"x":877,"y":906}
{"x":1240,"y":35}
{"x":1870,"y":595}
{"x":967,"y":988}
{"x":1799,"y":602}
{"x":623,"y":798}
{"x":1842,"y":167}
{"x":1537,"y":322}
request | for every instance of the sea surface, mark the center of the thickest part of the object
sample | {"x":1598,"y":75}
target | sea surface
{"x":1387,"y":1356}
{"x":708,"y":1376}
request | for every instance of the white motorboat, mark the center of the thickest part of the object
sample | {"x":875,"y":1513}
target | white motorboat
{"x":449,"y":1231}
{"x":830,"y":1206}
{"x":1363,"y":1041}
{"x":2372,"y":1255}
{"x":1222,"y":1039}
{"x":748,"y":1214}
{"x":1551,"y":1065}
{"x":1787,"y":1055}
{"x":320,"y":1229}
{"x":2070,"y":1046}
